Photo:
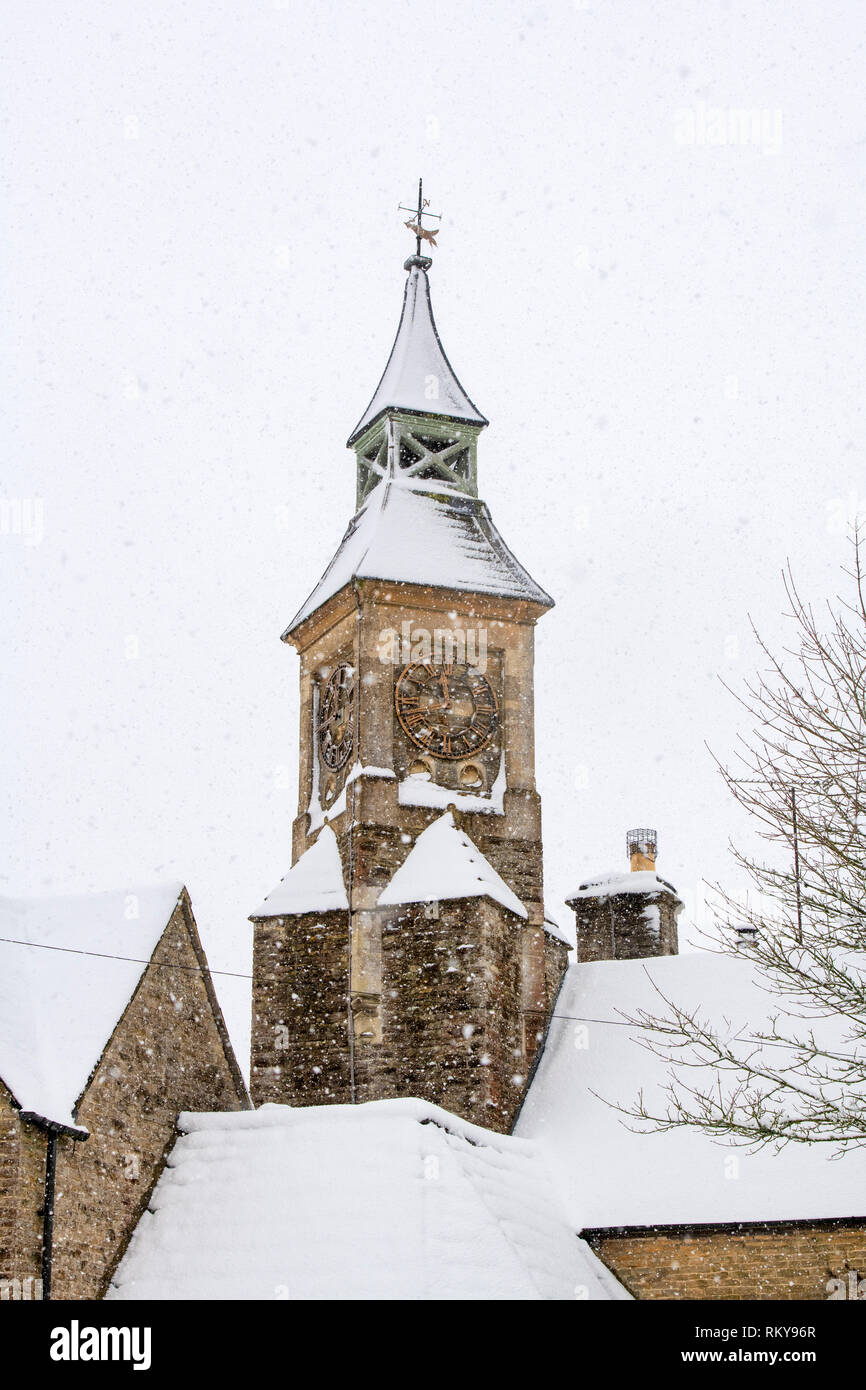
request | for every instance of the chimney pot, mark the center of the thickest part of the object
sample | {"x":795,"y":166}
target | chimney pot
{"x":642,"y":848}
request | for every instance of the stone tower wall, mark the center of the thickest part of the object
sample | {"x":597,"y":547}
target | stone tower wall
{"x":375,"y":832}
{"x":300,"y":1033}
{"x":446,"y":1024}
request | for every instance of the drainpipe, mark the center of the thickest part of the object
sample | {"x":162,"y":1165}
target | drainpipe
{"x":52,"y":1130}
{"x":48,"y":1213}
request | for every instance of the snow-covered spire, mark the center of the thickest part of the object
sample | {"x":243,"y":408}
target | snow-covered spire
{"x":418,"y":518}
{"x":418,"y":379}
{"x":420,"y":419}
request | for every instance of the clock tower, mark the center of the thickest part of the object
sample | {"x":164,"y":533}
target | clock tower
{"x":406,"y":951}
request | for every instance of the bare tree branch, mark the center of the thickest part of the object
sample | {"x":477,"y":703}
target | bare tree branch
{"x":800,"y":770}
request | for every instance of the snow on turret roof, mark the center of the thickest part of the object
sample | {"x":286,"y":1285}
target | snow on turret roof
{"x":62,"y":992}
{"x":314,"y":884}
{"x":613,"y":1175}
{"x":393,"y":1199}
{"x":417,"y":532}
{"x":418,"y":357}
{"x":444,"y":863}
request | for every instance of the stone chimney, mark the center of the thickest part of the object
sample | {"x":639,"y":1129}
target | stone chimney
{"x":628,"y":916}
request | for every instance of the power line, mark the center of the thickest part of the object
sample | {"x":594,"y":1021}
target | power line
{"x":237,"y":975}
{"x":232,"y":974}
{"x":131,"y":960}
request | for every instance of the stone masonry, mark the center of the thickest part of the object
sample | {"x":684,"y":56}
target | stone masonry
{"x":626,"y":925}
{"x":305,"y":967}
{"x":169,"y":1052}
{"x":808,"y":1260}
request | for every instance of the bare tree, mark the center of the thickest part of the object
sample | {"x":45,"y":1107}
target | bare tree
{"x":800,"y":774}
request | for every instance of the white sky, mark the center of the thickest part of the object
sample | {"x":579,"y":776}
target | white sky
{"x":204,"y":275}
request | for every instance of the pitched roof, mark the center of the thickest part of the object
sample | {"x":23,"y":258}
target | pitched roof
{"x":612,"y":1175}
{"x":444,"y":863}
{"x":393,"y":1199}
{"x":313,"y":884}
{"x":417,"y":532}
{"x":62,"y":992}
{"x":417,"y":358}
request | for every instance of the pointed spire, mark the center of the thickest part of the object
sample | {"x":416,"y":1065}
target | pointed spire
{"x":418,"y":379}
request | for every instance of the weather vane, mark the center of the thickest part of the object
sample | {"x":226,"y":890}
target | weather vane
{"x":417,"y":226}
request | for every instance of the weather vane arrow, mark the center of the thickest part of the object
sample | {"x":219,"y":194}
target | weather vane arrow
{"x":422,"y":233}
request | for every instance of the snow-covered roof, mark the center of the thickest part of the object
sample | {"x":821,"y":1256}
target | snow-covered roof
{"x":313,"y":884}
{"x":59,"y":1007}
{"x":555,"y":930}
{"x":394,"y":1199}
{"x":418,"y":532}
{"x":616,"y":881}
{"x":418,"y":366}
{"x":613,"y":1176}
{"x":444,"y":863}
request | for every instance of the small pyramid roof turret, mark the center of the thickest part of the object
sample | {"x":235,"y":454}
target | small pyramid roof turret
{"x":417,"y":359}
{"x":444,"y":863}
{"x":313,"y":884}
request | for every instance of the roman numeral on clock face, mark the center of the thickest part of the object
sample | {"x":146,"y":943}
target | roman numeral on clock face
{"x":449,"y":710}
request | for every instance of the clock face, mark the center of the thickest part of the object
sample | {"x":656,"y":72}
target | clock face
{"x":450,"y":710}
{"x":335,"y":729}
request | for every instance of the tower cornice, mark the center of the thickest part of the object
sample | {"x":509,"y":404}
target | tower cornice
{"x":357,"y":594}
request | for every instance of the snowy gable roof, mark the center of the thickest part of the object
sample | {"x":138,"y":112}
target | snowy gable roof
{"x":612,"y":1175}
{"x":444,"y":863}
{"x":393,"y":1199}
{"x":314,"y":884}
{"x":62,"y":992}
{"x":415,"y":532}
{"x":417,"y":360}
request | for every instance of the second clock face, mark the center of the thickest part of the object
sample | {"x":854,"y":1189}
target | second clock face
{"x":336,"y":722}
{"x":450,"y":710}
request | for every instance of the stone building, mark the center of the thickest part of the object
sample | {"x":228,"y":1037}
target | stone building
{"x":417,"y":756}
{"x":109,"y":1027}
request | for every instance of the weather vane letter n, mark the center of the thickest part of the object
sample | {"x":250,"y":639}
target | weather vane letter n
{"x":416,"y":222}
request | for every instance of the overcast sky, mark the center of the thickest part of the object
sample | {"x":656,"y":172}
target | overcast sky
{"x":202,"y":280}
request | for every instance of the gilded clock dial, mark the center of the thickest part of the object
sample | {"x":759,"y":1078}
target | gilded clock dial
{"x":335,"y":727}
{"x":450,"y":710}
